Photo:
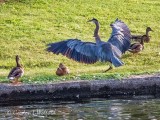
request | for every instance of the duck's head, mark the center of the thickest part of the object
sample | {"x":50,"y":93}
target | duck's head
{"x":94,"y":20}
{"x":17,"y":57}
{"x":61,"y":65}
{"x":17,"y":61}
{"x":149,"y":29}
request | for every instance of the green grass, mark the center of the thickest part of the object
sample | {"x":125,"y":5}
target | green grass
{"x":26,"y":26}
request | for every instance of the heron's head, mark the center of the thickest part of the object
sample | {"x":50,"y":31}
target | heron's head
{"x":149,"y":29}
{"x":94,"y":20}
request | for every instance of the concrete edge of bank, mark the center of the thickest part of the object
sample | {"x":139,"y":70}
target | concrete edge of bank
{"x":80,"y":90}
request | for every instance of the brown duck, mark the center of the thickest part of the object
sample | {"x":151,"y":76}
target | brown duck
{"x":146,"y":38}
{"x":62,"y":70}
{"x":16,"y":72}
{"x":137,"y":47}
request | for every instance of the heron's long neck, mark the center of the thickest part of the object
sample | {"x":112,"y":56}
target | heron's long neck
{"x":17,"y":62}
{"x":97,"y":38}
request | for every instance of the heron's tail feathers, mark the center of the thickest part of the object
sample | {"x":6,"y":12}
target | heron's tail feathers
{"x":116,"y":62}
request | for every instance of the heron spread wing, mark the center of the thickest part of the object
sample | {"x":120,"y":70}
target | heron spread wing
{"x":120,"y":36}
{"x":75,"y":49}
{"x":88,"y":52}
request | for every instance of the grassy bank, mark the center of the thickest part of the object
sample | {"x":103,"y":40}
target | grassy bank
{"x":28,"y":25}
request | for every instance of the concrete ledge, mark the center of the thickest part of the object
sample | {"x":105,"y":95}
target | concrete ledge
{"x":75,"y":91}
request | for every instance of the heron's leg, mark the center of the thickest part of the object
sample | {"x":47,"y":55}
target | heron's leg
{"x":110,"y":68}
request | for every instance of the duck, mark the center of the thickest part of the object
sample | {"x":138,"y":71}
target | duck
{"x":138,"y":46}
{"x":147,"y":37}
{"x":16,"y":72}
{"x":62,"y":70}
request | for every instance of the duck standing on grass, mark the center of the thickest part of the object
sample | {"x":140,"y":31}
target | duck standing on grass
{"x":16,"y":72}
{"x":62,"y":70}
{"x":145,"y":39}
{"x":137,"y":47}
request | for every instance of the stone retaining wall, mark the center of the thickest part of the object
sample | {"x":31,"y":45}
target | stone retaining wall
{"x":80,"y":90}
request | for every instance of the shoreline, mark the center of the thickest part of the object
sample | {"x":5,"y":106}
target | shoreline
{"x":140,"y":85}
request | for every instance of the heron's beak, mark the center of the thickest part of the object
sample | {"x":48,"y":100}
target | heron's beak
{"x":152,"y":30}
{"x":89,"y":21}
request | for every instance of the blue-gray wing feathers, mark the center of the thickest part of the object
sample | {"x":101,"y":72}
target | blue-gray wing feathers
{"x":120,"y":36}
{"x":88,"y":52}
{"x":75,"y":49}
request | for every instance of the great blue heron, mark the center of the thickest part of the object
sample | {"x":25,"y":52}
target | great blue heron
{"x":89,"y":52}
{"x":16,"y":72}
{"x":146,"y":38}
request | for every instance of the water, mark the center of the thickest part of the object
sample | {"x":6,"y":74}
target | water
{"x":93,"y":110}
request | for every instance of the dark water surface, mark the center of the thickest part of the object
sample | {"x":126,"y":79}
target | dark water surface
{"x":93,"y":110}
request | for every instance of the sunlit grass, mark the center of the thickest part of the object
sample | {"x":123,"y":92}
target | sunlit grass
{"x":28,"y":26}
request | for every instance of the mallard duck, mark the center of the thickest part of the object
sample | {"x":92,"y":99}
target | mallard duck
{"x":16,"y":72}
{"x":62,"y":70}
{"x":137,"y":47}
{"x":147,"y":37}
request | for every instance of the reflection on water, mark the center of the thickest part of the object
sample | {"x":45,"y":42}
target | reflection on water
{"x":98,"y":109}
